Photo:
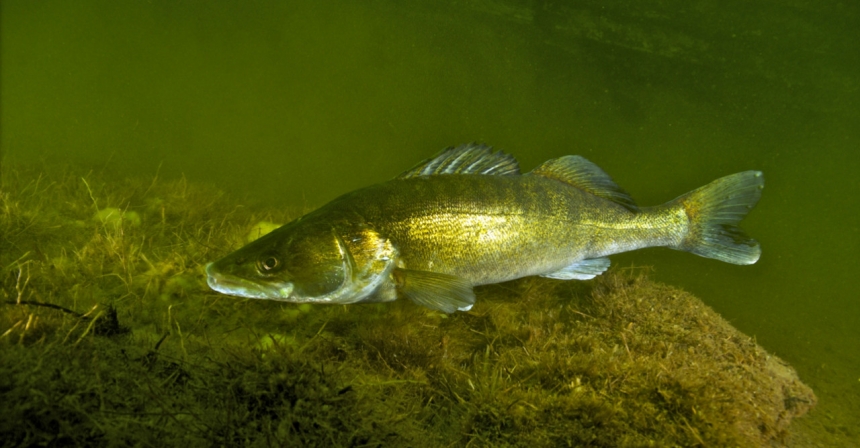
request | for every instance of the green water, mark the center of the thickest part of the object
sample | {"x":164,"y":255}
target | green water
{"x":295,"y":103}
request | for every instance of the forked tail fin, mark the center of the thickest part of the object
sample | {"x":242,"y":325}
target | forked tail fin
{"x":714,"y":212}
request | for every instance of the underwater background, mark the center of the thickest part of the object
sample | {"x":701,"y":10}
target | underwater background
{"x":295,"y":103}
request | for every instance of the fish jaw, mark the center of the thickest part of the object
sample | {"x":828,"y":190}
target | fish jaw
{"x":238,"y":286}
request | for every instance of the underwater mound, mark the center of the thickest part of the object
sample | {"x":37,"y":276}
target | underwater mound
{"x":110,"y":336}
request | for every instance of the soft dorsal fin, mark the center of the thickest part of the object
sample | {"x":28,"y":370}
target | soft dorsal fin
{"x":471,"y":158}
{"x":577,"y":171}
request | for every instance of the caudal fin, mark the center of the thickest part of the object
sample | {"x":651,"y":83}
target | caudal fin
{"x":714,"y":212}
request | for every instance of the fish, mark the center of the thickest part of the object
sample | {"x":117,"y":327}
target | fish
{"x":469,"y":217}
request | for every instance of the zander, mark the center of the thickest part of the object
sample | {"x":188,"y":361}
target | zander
{"x":468,"y":217}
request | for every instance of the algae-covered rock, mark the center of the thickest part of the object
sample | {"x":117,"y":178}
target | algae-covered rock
{"x":676,"y":361}
{"x":622,"y":361}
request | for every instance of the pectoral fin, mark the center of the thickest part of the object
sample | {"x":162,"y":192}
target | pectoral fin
{"x":581,"y":270}
{"x":436,"y":291}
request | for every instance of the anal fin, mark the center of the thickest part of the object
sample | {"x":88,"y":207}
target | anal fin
{"x":581,"y":270}
{"x":443,"y":292}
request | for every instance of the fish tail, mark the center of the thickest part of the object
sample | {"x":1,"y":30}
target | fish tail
{"x":714,"y":212}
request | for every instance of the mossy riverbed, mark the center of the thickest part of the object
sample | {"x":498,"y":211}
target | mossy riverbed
{"x":110,"y":336}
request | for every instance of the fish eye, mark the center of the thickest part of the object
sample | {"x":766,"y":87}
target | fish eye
{"x":268,"y":263}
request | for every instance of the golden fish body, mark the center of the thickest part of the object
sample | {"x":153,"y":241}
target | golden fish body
{"x":466,"y":218}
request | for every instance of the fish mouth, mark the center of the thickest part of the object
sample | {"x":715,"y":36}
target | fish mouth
{"x":242,"y":287}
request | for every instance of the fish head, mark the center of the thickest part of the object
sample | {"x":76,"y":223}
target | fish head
{"x":306,"y":261}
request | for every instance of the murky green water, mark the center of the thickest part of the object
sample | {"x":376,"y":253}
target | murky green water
{"x":294,"y":103}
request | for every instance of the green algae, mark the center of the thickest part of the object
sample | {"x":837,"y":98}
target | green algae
{"x":109,"y":336}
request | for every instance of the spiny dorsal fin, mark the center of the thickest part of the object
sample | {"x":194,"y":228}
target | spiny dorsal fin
{"x":471,"y":158}
{"x":580,"y":173}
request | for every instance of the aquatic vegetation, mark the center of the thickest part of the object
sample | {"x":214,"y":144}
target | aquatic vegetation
{"x":259,"y":229}
{"x":109,"y":335}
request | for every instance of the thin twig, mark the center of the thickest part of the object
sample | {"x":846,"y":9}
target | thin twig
{"x":47,"y":305}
